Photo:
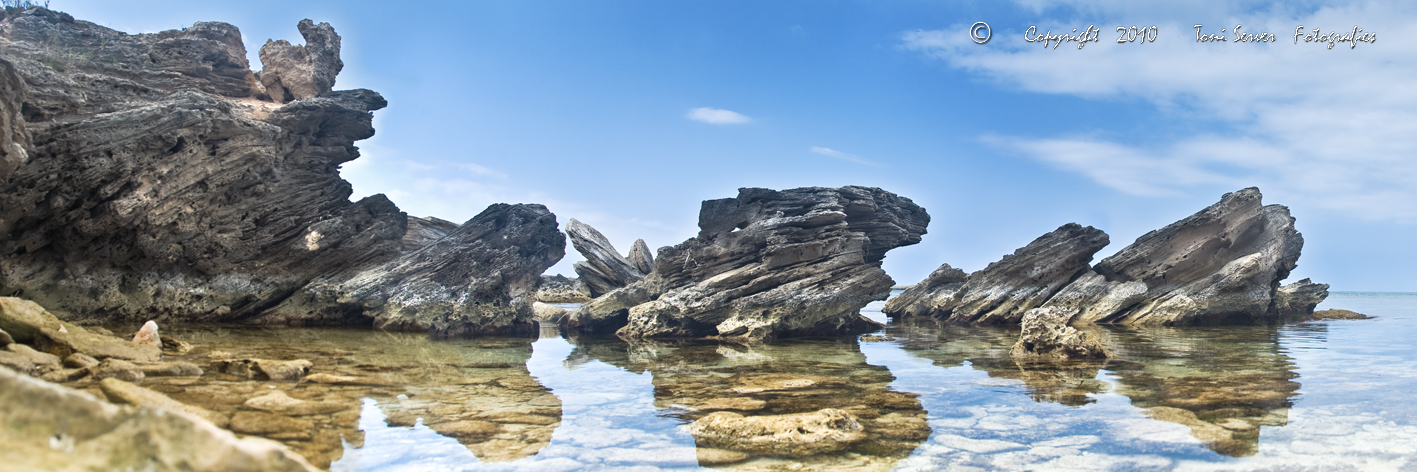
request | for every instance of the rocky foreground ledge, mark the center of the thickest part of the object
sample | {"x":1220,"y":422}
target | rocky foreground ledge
{"x":765,"y":264}
{"x":156,"y":176}
{"x":1223,"y":264}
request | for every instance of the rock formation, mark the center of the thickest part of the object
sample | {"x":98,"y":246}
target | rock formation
{"x":1222,"y":264}
{"x":767,"y":263}
{"x":641,"y":257}
{"x":1005,"y":290}
{"x":604,"y":269}
{"x":561,"y":289}
{"x":1046,"y":336}
{"x":157,"y":183}
{"x":1299,"y":298}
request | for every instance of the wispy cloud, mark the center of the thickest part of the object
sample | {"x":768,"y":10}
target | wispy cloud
{"x":717,"y":116}
{"x":843,"y":156}
{"x":480,"y":170}
{"x":1333,"y":128}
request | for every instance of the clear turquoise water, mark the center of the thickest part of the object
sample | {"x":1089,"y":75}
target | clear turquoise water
{"x":1330,"y":395}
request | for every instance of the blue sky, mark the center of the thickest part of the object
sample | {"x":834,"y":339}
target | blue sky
{"x":626,"y":114}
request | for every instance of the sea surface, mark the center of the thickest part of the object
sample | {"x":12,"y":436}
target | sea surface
{"x":1320,"y":395}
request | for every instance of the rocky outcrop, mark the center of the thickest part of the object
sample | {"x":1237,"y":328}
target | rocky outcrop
{"x":561,"y":289}
{"x":1299,"y":298}
{"x":1337,"y":314}
{"x":15,"y":142}
{"x":1005,"y":290}
{"x":768,"y":263}
{"x":641,"y":257}
{"x":604,"y":269}
{"x":163,"y":183}
{"x":1223,"y":264}
{"x":58,"y":422}
{"x":1045,"y":335}
{"x":300,"y":72}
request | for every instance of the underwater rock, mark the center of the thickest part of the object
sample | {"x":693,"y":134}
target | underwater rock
{"x":113,"y":368}
{"x":121,"y":392}
{"x":59,"y":421}
{"x":172,"y":369}
{"x":561,"y":289}
{"x":1046,"y":335}
{"x":708,"y":456}
{"x":1005,"y":290}
{"x":802,"y":434}
{"x":604,"y":269}
{"x":1299,"y":298}
{"x":300,"y":72}
{"x":264,"y":369}
{"x":148,"y":335}
{"x":279,"y":403}
{"x":262,"y":423}
{"x":641,"y":257}
{"x":1220,"y":265}
{"x":769,"y":263}
{"x":1337,"y":314}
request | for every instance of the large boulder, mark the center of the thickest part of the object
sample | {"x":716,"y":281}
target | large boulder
{"x":1005,"y":290}
{"x":1222,"y":264}
{"x":163,"y":183}
{"x":604,"y":269}
{"x":768,"y":263}
{"x":56,"y":428}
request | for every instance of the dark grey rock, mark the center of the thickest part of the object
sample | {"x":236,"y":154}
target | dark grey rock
{"x":768,"y":263}
{"x":299,"y":72}
{"x":423,"y":231}
{"x":1299,"y":298}
{"x":929,"y":296}
{"x":604,"y":269}
{"x":641,"y":257}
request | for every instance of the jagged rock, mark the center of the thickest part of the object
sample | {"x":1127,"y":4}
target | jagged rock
{"x":148,"y":335}
{"x":548,"y":313}
{"x":1299,"y":298}
{"x":1337,"y":314}
{"x":59,"y":421}
{"x":151,"y":193}
{"x":423,"y":231}
{"x":477,"y":280}
{"x":33,"y":324}
{"x":1005,"y":290}
{"x":604,"y":269}
{"x":117,"y":369}
{"x":264,"y":369}
{"x":121,"y":392}
{"x":1046,"y":335}
{"x":1222,"y":264}
{"x":299,"y":72}
{"x":561,"y":289}
{"x":38,"y":358}
{"x":768,"y":263}
{"x":641,"y":257}
{"x":929,"y":296}
{"x":803,"y":434}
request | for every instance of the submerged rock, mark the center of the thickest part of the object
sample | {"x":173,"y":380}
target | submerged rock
{"x":1337,"y":314}
{"x":1046,"y":335}
{"x":121,"y":392}
{"x":264,"y":369}
{"x":1299,"y":298}
{"x":803,"y":434}
{"x":1005,"y":290}
{"x":604,"y":269}
{"x":768,"y":263}
{"x":60,"y":421}
{"x":117,"y":369}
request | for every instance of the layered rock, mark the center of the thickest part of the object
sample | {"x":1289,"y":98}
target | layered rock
{"x":768,"y":263}
{"x":604,"y":269}
{"x":164,"y":183}
{"x":1222,"y":264}
{"x":641,"y":257}
{"x":561,"y":289}
{"x":1045,"y":335}
{"x":1299,"y":298}
{"x":1005,"y":290}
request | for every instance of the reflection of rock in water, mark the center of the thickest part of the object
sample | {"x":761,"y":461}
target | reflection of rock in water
{"x":1223,"y":383}
{"x":777,"y":385}
{"x":477,"y":391}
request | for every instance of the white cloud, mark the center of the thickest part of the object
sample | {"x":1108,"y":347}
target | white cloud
{"x":841,"y":155}
{"x":716,"y":116}
{"x":1333,"y":128}
{"x":480,"y":170}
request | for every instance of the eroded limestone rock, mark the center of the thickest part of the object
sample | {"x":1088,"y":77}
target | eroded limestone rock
{"x":299,"y":72}
{"x":803,"y":434}
{"x":1046,"y":335}
{"x":1299,"y":298}
{"x":604,"y":269}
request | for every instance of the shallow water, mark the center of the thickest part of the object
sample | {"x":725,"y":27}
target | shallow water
{"x":1332,"y":395}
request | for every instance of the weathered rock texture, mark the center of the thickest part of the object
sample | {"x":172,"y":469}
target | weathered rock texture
{"x":1221,"y":265}
{"x":561,"y":289}
{"x":802,"y":434}
{"x":56,"y":428}
{"x":1299,"y":298}
{"x":604,"y":269}
{"x":1005,"y":290}
{"x":1046,"y":336}
{"x":160,"y":185}
{"x":641,"y":256}
{"x":768,"y":263}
